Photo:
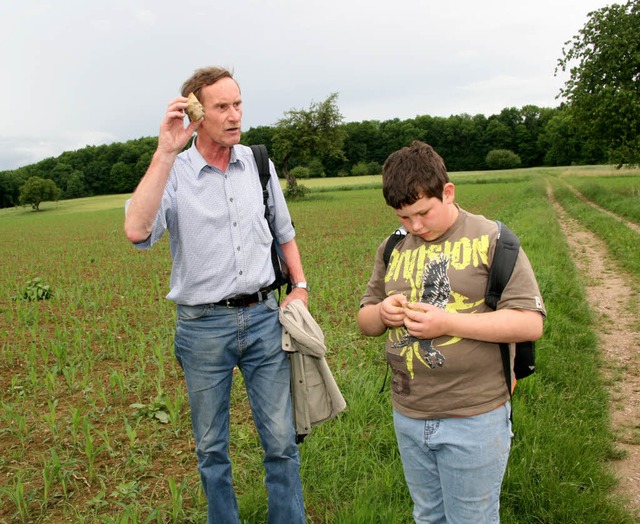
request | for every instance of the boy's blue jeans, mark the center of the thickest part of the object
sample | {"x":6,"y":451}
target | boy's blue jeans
{"x":454,"y":466}
{"x":209,"y":342}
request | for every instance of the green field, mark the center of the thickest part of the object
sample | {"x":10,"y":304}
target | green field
{"x":94,"y":417}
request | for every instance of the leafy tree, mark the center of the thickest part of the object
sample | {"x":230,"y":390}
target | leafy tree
{"x":603,"y":92}
{"x":303,"y":134}
{"x":316,"y":169}
{"x":60,"y":174}
{"x":122,"y":177}
{"x":258,"y":135}
{"x":498,"y":134}
{"x":37,"y":190}
{"x":363,"y":142}
{"x":10,"y":184}
{"x":75,"y":185}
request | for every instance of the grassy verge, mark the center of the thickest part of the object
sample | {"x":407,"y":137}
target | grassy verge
{"x":619,"y":194}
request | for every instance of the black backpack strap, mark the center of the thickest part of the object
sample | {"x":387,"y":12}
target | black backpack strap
{"x":261,"y":156}
{"x":393,"y":239}
{"x":262,"y":161}
{"x":504,"y":260}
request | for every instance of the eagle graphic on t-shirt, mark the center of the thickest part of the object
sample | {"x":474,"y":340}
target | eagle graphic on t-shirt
{"x":436,"y":289}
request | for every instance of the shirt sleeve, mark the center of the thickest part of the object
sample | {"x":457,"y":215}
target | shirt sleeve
{"x":522,"y":290}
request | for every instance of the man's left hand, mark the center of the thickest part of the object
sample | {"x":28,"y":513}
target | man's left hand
{"x":297,"y":293}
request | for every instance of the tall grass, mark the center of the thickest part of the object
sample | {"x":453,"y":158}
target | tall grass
{"x":94,"y":420}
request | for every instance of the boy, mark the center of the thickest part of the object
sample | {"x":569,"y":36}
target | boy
{"x":450,"y":400}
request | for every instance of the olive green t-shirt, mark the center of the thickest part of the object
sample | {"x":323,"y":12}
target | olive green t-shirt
{"x":448,"y":376}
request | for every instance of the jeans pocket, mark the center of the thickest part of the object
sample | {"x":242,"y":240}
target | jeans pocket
{"x":190,"y":312}
{"x":272,"y":302}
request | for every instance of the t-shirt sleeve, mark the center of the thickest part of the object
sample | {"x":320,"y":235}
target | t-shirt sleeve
{"x":522,"y":290}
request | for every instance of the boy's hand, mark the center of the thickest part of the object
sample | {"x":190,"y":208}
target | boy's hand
{"x":392,"y":310}
{"x":424,"y":321}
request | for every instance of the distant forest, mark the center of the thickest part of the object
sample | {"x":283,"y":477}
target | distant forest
{"x":538,"y":136}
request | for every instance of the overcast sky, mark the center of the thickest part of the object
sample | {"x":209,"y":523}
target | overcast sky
{"x":90,"y":72}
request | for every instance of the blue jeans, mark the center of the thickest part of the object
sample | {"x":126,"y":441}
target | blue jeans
{"x":454,"y":466}
{"x":209,"y":342}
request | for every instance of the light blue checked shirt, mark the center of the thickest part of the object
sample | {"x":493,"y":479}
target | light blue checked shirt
{"x":219,"y":239}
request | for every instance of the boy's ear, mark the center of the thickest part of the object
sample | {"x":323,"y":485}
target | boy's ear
{"x":449,"y":193}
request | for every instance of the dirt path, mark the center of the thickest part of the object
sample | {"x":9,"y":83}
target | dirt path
{"x":611,"y":298}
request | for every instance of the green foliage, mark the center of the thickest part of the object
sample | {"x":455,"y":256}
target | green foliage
{"x":502,"y":159}
{"x":304,"y":134}
{"x":35,"y":289}
{"x":374,"y":168}
{"x":603,"y":61}
{"x":366,"y":168}
{"x":316,"y":169}
{"x":37,"y":190}
{"x":360,"y":169}
{"x":540,"y":136}
{"x":300,"y":172}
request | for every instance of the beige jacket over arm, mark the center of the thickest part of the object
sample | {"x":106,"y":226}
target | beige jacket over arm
{"x":314,"y":392}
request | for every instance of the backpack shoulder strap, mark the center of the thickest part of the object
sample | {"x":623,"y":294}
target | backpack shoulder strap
{"x":393,"y":239}
{"x":261,"y":156}
{"x":262,"y":161}
{"x":504,"y":260}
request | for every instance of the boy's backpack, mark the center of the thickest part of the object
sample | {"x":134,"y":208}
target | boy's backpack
{"x":504,"y":260}
{"x":279,"y":266}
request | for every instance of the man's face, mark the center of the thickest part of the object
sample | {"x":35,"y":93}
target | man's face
{"x":429,"y":217}
{"x":222,"y":112}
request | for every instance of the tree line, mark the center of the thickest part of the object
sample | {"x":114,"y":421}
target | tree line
{"x":538,"y":136}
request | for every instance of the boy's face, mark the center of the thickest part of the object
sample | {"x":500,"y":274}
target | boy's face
{"x":430,"y":217}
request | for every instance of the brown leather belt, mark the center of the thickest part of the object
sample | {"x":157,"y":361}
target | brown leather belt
{"x":246,"y":300}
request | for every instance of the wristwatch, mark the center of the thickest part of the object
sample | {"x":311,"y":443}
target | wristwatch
{"x":302,"y":285}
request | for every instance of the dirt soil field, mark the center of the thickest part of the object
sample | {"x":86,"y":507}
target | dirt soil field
{"x":613,"y":300}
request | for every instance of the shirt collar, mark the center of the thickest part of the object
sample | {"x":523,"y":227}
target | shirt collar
{"x":198,"y":162}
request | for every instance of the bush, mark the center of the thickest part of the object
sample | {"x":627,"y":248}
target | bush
{"x":360,"y":169}
{"x":374,"y":168}
{"x":316,"y":169}
{"x":300,"y":172}
{"x":502,"y":159}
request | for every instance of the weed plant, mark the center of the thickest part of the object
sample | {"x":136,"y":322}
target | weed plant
{"x":94,"y":418}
